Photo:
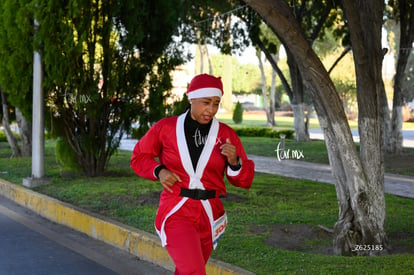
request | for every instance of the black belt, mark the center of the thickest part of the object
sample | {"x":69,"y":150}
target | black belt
{"x":198,"y":194}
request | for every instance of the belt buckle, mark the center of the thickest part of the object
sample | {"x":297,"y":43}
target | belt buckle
{"x":198,"y":194}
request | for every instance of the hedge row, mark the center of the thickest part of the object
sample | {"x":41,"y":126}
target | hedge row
{"x":263,"y":132}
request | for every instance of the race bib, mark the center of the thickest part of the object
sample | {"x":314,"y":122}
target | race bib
{"x":218,"y":228}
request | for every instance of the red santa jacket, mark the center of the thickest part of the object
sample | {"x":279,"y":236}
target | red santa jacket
{"x":166,"y":141}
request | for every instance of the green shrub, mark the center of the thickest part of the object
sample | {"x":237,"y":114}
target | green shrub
{"x":3,"y":137}
{"x":263,"y":132}
{"x":238,"y":113}
{"x":66,"y":155}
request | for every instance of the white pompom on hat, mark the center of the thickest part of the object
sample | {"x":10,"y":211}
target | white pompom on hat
{"x":205,"y":85}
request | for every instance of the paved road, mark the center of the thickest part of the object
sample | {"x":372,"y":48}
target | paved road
{"x":30,"y":244}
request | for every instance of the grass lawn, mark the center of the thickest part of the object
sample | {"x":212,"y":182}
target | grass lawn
{"x":273,"y":228}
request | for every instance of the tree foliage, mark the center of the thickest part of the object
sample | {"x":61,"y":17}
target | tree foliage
{"x":104,"y":67}
{"x":16,"y":53}
{"x":105,"y":63}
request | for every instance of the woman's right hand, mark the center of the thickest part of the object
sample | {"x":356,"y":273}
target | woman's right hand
{"x":168,"y":179}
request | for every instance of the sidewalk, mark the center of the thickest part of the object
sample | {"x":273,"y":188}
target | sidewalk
{"x":398,"y":185}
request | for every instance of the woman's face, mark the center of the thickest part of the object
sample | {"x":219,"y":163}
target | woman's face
{"x":204,"y":109}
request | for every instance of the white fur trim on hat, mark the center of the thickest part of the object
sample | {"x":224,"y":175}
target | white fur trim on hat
{"x":205,"y":92}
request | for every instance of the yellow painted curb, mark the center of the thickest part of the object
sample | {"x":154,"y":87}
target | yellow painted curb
{"x":139,"y":243}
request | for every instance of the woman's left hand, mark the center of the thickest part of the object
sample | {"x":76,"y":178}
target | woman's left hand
{"x":229,"y":150}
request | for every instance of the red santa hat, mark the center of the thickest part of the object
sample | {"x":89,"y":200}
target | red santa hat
{"x":205,"y":85}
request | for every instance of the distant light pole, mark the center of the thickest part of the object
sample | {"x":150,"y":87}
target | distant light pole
{"x":38,"y":135}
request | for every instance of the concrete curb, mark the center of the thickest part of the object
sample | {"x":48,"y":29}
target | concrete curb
{"x":144,"y":245}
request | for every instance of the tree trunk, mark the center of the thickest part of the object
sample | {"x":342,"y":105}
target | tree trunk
{"x":309,"y":112}
{"x":264,"y":90}
{"x":202,"y":59}
{"x":11,"y":139}
{"x":276,"y":68}
{"x":359,"y":182}
{"x":210,"y":65}
{"x":386,"y":118}
{"x":406,"y":21}
{"x":204,"y":62}
{"x":299,"y":122}
{"x":365,"y":23}
{"x":273,"y":96}
{"x":396,"y":137}
{"x":297,"y":100}
{"x":25,"y":133}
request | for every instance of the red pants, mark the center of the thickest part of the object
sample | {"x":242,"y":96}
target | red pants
{"x":189,"y":242}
